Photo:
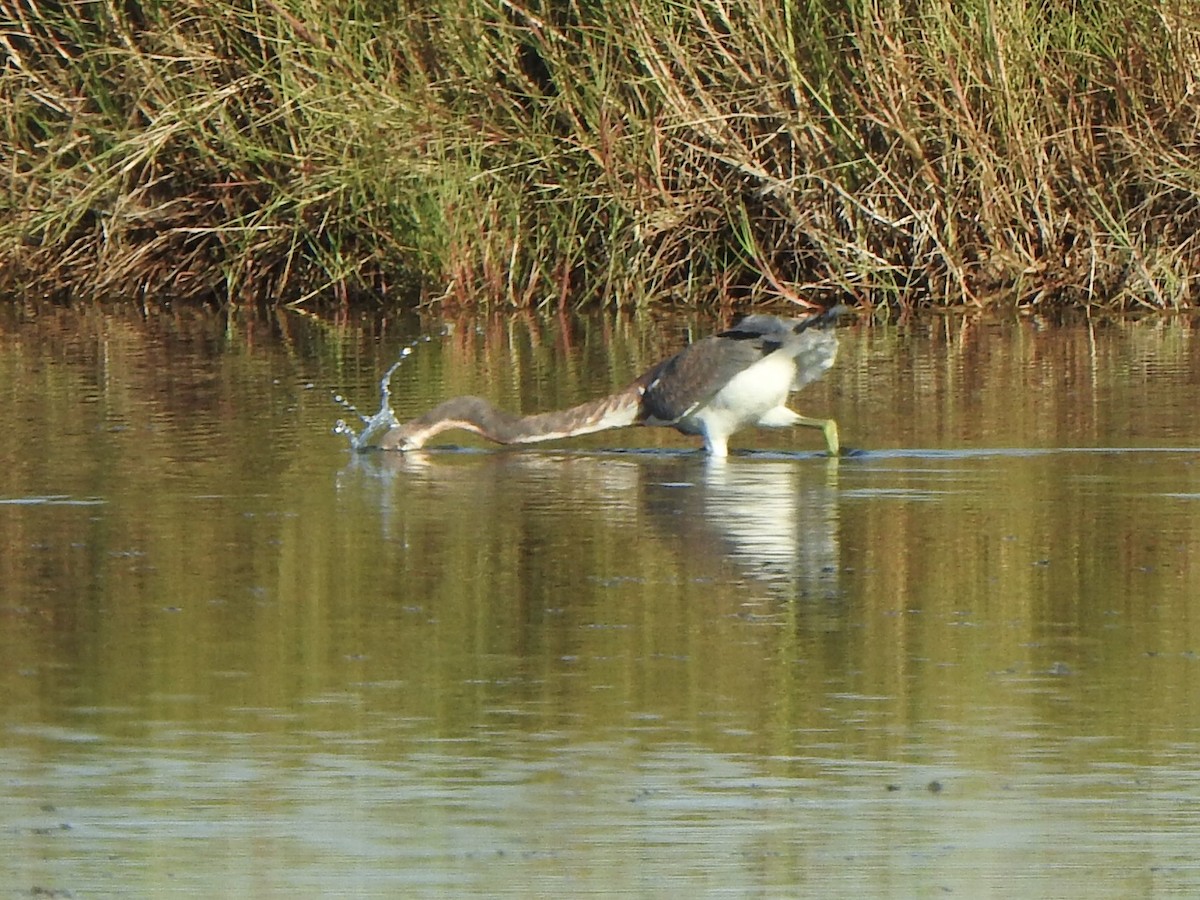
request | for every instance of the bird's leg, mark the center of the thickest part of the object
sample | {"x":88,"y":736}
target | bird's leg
{"x":828,"y":428}
{"x":715,"y":444}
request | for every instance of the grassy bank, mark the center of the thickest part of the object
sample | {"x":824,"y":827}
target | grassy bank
{"x":926,"y":152}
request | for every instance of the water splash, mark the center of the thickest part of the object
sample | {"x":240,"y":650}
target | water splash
{"x":381,"y":421}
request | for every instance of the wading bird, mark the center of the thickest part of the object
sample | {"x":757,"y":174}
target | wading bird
{"x":711,"y":388}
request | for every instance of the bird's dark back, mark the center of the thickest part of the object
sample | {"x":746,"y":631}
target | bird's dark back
{"x":678,"y":385}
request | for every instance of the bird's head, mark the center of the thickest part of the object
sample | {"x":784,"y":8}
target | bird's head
{"x":402,"y":438}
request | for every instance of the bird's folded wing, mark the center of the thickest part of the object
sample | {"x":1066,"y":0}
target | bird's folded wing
{"x":688,"y":380}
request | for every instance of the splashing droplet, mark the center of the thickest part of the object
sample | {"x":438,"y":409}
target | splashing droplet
{"x":381,"y":421}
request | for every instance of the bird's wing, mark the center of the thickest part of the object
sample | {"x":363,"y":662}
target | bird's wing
{"x":681,"y":384}
{"x":677,"y":386}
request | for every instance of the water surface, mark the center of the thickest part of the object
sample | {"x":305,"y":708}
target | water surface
{"x":238,"y":660}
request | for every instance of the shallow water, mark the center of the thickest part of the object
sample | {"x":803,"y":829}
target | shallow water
{"x":238,"y":660}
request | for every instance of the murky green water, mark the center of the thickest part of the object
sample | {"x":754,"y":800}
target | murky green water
{"x":235,"y":660}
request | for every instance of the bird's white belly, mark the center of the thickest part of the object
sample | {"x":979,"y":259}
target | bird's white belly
{"x":762,"y":387}
{"x":747,"y":397}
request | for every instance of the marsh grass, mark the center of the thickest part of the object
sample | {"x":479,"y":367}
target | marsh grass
{"x":524,"y":154}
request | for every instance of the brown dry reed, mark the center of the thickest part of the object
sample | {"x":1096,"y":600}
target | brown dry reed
{"x":898,"y":153}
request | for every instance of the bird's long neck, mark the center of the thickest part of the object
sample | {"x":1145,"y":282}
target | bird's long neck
{"x":477,"y":415}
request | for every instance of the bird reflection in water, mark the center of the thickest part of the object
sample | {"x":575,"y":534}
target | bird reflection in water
{"x":774,"y":520}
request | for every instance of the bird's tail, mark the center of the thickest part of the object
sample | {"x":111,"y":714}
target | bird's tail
{"x":823,"y":319}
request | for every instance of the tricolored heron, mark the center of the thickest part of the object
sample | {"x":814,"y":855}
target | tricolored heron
{"x":711,"y":388}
